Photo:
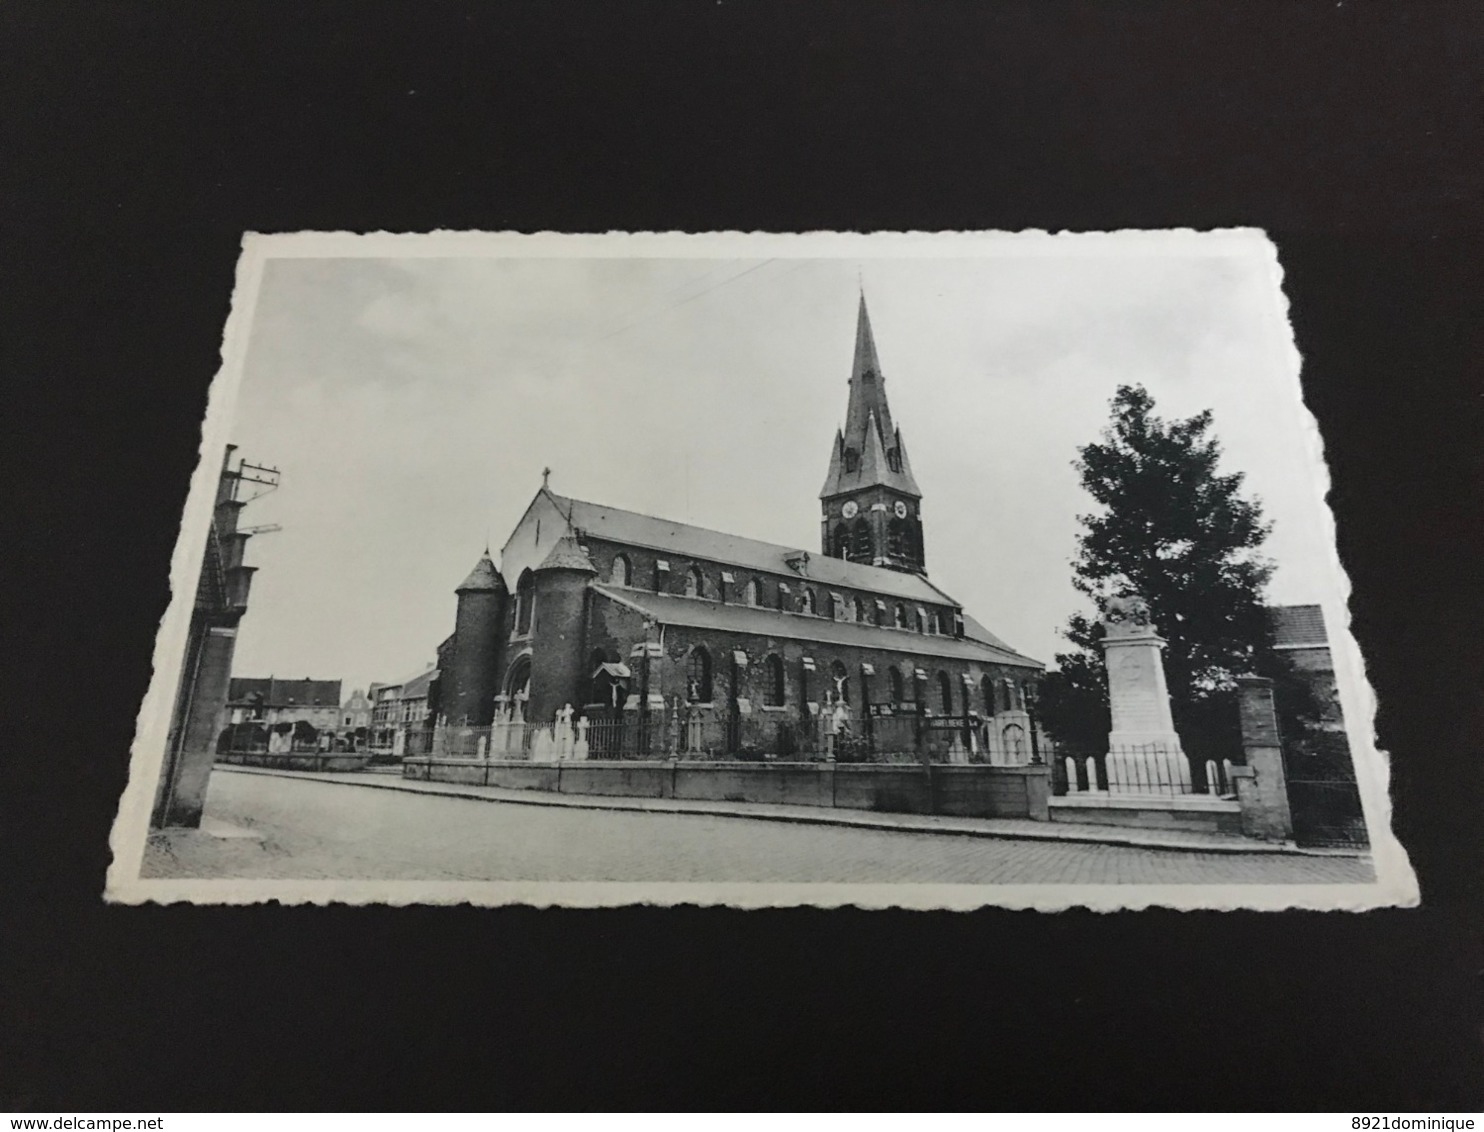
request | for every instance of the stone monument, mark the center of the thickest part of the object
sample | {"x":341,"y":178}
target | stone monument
{"x":1144,"y":751}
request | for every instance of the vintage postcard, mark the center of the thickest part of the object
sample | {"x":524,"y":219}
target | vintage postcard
{"x":887,"y":570}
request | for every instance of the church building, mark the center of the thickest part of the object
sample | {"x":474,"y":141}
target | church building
{"x":735,"y":645}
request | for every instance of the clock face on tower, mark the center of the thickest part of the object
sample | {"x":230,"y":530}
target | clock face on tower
{"x":900,"y":509}
{"x":850,"y":509}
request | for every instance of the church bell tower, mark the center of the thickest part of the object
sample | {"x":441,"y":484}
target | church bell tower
{"x":871,"y":508}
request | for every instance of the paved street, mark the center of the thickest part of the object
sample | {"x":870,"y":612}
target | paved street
{"x":313,"y":830}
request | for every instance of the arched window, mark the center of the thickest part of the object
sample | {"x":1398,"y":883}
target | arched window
{"x":518,"y":684}
{"x":806,"y":601}
{"x":839,"y":682}
{"x":776,"y":692}
{"x":899,"y":616}
{"x":860,"y":609}
{"x":987,"y":687}
{"x":945,"y":693}
{"x":698,"y":676}
{"x":695,"y":582}
{"x":622,"y":573}
{"x":898,"y":539}
{"x":752,"y":594}
{"x":525,"y":603}
{"x":862,"y":547}
{"x":852,"y":460}
{"x":898,"y":694}
{"x":918,"y":622}
{"x":841,"y":546}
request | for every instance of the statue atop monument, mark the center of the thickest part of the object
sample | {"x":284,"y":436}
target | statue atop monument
{"x":1127,"y":616}
{"x":1143,"y":735}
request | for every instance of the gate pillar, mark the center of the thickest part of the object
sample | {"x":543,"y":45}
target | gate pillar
{"x":1262,"y":788}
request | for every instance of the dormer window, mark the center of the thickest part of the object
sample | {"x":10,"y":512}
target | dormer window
{"x":894,"y":459}
{"x":695,"y":582}
{"x":852,"y":460}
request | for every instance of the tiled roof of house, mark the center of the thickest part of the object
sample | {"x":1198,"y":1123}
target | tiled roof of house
{"x":284,"y":693}
{"x":617,"y":525}
{"x":669,"y":609}
{"x":1298,"y":626}
{"x":418,"y":685}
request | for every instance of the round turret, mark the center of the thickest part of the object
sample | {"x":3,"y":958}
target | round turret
{"x":467,"y":687}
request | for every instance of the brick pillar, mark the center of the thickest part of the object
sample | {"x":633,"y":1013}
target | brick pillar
{"x":1262,"y":789}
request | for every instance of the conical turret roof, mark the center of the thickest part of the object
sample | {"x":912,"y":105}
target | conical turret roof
{"x":869,"y":430}
{"x":483,"y":578}
{"x":568,"y":554}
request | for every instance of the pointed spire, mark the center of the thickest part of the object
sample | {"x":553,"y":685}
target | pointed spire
{"x":568,"y":554}
{"x":873,"y":459}
{"x":483,"y":578}
{"x":832,"y":477}
{"x":868,"y":423}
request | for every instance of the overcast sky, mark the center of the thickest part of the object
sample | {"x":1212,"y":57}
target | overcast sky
{"x":411,"y":404}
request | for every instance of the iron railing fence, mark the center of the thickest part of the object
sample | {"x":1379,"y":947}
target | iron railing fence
{"x":708,"y":733}
{"x":1146,"y":769}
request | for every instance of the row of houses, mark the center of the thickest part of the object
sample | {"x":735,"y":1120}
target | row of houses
{"x":270,"y":713}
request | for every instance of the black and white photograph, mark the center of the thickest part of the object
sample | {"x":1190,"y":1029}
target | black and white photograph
{"x":931,"y":571}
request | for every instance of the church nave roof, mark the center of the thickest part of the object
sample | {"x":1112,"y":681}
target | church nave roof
{"x":671,"y":609}
{"x":630,"y":527}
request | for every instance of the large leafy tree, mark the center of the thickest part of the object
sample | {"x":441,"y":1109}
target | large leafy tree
{"x":1174,"y":529}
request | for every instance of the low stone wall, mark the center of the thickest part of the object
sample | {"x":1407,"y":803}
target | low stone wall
{"x":1192,"y":813}
{"x":964,"y":791}
{"x":298,"y":760}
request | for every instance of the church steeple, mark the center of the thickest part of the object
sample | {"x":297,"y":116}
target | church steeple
{"x":868,"y":427}
{"x":870,"y":499}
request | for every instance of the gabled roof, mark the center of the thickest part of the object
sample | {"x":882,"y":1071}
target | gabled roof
{"x":284,"y":693}
{"x":868,"y":430}
{"x":417,"y":687}
{"x":669,"y":609}
{"x":1298,"y":626}
{"x":686,"y":541}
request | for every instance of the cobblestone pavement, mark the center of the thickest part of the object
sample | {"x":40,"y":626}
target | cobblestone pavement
{"x":314,"y":830}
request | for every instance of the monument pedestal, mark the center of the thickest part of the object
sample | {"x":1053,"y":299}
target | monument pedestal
{"x":1144,"y":752}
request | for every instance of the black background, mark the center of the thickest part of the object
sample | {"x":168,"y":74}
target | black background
{"x":141,"y":140}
